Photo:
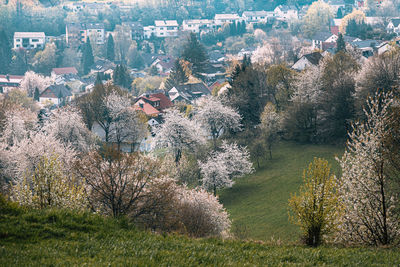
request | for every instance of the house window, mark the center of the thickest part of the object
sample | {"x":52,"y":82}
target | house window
{"x":17,"y":45}
{"x":35,"y":40}
{"x":18,"y":40}
{"x":98,"y":30}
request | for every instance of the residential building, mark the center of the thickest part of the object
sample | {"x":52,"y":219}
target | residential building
{"x":257,"y":16}
{"x":166,"y":28}
{"x":221,"y":19}
{"x":8,"y":82}
{"x":198,"y":25}
{"x":336,"y":5}
{"x":164,"y":64}
{"x":321,"y":39}
{"x":29,"y":40}
{"x":56,"y":94}
{"x":188,"y":93}
{"x":393,"y":26}
{"x":77,"y":33}
{"x":63,"y":71}
{"x":286,"y":12}
{"x":307,"y":60}
{"x":153,"y":104}
{"x":149,"y":31}
{"x":136,"y":29}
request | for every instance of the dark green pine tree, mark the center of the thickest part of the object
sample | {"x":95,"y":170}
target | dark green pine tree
{"x":352,"y":28}
{"x":5,"y":53}
{"x":339,"y":14}
{"x":340,"y":44}
{"x":195,"y":53}
{"x":121,"y":76}
{"x":36,"y":94}
{"x":177,"y":76}
{"x":99,"y":79}
{"x":87,"y":57}
{"x":110,"y":48}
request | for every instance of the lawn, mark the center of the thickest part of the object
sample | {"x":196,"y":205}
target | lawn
{"x":62,"y":238}
{"x":258,"y":203}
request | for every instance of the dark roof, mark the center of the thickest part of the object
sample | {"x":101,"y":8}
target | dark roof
{"x":314,"y":58}
{"x":215,"y":55}
{"x":102,"y":65}
{"x":321,"y":36}
{"x":95,"y":26}
{"x":56,"y":91}
{"x":366,"y":43}
{"x":395,"y":22}
{"x":349,"y":39}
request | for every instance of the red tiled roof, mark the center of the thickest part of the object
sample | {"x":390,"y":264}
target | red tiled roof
{"x":147,"y":109}
{"x":165,"y":102}
{"x":62,"y":71}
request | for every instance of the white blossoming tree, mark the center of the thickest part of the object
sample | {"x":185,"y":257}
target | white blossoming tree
{"x":270,"y":125}
{"x":124,"y":122}
{"x":221,"y":167}
{"x":48,"y":186}
{"x":370,"y":216}
{"x":178,"y":133}
{"x":216,"y":118}
{"x":66,"y":124}
{"x":17,"y":124}
{"x":33,"y":81}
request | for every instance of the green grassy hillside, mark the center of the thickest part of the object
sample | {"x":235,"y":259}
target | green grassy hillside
{"x":258,"y":203}
{"x":59,"y":238}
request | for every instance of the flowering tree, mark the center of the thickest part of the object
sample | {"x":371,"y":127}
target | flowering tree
{"x":216,"y":118}
{"x":31,"y":81}
{"x":17,"y":124}
{"x":317,"y":206}
{"x":370,"y":216}
{"x":47,"y":186}
{"x":67,"y":126}
{"x":270,"y":125}
{"x":24,"y":156}
{"x":124,"y":124}
{"x":201,"y":213}
{"x":116,"y":181}
{"x":221,"y":167}
{"x":178,"y":133}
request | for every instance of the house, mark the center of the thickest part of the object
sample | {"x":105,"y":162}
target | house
{"x":252,"y":17}
{"x":307,"y":60}
{"x":78,"y":33}
{"x":286,"y":12}
{"x":164,"y":64}
{"x":394,"y":26}
{"x":96,"y":33}
{"x":29,"y":40}
{"x":149,"y":31}
{"x":103,"y":66}
{"x":136,"y":29}
{"x":221,"y":19}
{"x":166,"y":28}
{"x":63,"y":71}
{"x":8,"y":82}
{"x":56,"y":94}
{"x":336,"y":5}
{"x":323,"y":37}
{"x":153,"y":104}
{"x":64,"y":75}
{"x":188,"y":93}
{"x":198,"y":25}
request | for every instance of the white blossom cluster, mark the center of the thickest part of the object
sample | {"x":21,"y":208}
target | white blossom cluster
{"x":221,"y":167}
{"x":369,"y":206}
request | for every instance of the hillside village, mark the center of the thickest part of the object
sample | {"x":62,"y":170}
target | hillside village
{"x":68,"y":82}
{"x":191,"y":132}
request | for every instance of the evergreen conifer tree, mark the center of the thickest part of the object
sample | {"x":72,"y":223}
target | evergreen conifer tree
{"x":110,"y":48}
{"x":195,"y":53}
{"x":340,"y":44}
{"x":36,"y":94}
{"x":177,"y":76}
{"x":5,"y":53}
{"x":87,"y":57}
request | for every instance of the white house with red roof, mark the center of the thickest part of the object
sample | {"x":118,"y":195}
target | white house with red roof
{"x":8,"y":82}
{"x":153,"y":104}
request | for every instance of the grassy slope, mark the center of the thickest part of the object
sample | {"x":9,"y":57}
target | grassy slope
{"x":258,"y":203}
{"x":57,"y":238}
